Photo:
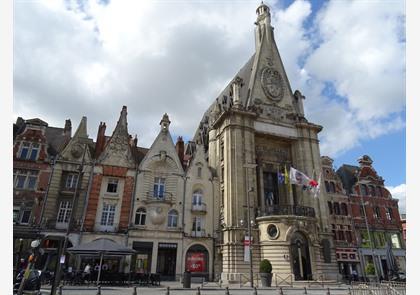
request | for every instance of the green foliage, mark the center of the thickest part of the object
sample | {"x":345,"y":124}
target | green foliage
{"x":265,"y":266}
{"x":370,"y":269}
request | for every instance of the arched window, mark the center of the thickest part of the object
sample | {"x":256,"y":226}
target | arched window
{"x":172,"y":218}
{"x":199,"y":172}
{"x":344,"y":209}
{"x":140,"y":218}
{"x":197,"y":198}
{"x":327,"y":186}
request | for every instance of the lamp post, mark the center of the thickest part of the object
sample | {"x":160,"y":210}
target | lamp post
{"x":367,"y":229}
{"x":19,"y":256}
{"x":249,"y":232}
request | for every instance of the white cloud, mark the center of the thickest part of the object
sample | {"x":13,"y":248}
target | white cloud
{"x":399,"y":192}
{"x":86,"y":58}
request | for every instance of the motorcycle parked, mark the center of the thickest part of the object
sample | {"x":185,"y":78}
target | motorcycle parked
{"x":32,"y":283}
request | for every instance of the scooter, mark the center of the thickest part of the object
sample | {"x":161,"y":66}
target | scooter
{"x":32,"y":283}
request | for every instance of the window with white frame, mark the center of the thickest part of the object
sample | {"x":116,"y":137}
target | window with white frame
{"x":140,"y":218}
{"x":112,"y":186}
{"x":29,"y":151}
{"x":64,"y":212}
{"x":197,"y":198}
{"x":197,"y":224}
{"x":159,"y":188}
{"x":376,"y":213}
{"x":172,"y":218}
{"x":108,"y":214}
{"x":71,"y":181}
{"x":25,"y":179}
{"x":388,"y":213}
{"x":25,"y":216}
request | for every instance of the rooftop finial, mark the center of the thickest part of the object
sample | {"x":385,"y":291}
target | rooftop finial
{"x":164,"y":123}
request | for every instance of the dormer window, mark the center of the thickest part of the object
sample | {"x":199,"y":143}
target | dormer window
{"x":71,"y":181}
{"x":159,"y":187}
{"x":112,"y":186}
{"x":24,"y":150}
{"x":29,"y":151}
{"x":34,"y":152}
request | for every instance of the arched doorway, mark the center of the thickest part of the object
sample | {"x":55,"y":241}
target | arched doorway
{"x":197,"y":261}
{"x":300,"y":258}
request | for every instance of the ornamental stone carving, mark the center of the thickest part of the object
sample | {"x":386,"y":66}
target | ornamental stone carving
{"x":156,"y":215}
{"x":272,"y":83}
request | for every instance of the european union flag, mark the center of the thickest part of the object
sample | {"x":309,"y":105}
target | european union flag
{"x":280,"y":177}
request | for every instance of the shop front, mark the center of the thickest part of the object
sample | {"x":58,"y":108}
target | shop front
{"x":197,"y":261}
{"x":348,"y":263}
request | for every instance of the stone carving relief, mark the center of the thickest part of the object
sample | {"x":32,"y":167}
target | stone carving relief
{"x":272,"y":83}
{"x":156,"y":215}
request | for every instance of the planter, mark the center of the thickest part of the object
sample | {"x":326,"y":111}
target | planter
{"x":266,"y":279}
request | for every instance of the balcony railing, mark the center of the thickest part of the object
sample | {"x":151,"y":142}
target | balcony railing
{"x":198,"y":233}
{"x":199,"y":208}
{"x":287,"y":210}
{"x":166,"y":197}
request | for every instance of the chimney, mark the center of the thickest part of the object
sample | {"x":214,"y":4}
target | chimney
{"x":179,"y":147}
{"x":67,"y":128}
{"x":135,"y":141}
{"x":100,"y":139}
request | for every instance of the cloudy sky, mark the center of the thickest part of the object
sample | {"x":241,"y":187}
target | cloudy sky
{"x":90,"y":58}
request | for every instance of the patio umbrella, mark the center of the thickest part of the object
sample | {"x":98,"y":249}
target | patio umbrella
{"x":391,"y":259}
{"x":101,"y":247}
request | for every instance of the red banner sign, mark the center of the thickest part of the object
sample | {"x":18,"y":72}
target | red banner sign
{"x":196,"y":262}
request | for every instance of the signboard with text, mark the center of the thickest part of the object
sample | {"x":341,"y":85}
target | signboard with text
{"x":196,"y":262}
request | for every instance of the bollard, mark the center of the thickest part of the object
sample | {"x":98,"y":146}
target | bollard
{"x":227,"y":291}
{"x":328,"y":291}
{"x":134,"y":290}
{"x":60,"y":290}
{"x":198,"y":291}
{"x":255,"y":291}
{"x":305,"y":291}
{"x":99,"y":290}
{"x":167,"y":291}
{"x":281,"y":291}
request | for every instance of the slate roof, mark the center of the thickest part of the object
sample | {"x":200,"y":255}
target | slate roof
{"x":224,"y":99}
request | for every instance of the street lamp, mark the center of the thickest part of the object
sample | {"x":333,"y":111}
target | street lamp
{"x":248,"y":190}
{"x":367,"y":227}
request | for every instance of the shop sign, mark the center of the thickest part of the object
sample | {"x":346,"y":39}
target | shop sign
{"x":196,"y":262}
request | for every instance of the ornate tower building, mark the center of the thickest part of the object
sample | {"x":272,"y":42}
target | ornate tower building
{"x":254,"y":131}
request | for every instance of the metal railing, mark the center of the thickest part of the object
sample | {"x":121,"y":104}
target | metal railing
{"x":282,"y":279}
{"x":383,"y":288}
{"x":166,"y":197}
{"x":287,"y":210}
{"x":199,"y":208}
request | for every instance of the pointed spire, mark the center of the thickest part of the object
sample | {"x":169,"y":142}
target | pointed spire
{"x":164,"y":123}
{"x":82,"y":128}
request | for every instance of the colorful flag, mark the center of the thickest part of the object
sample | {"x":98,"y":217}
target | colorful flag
{"x":299,"y":178}
{"x":287,"y":180}
{"x":317,"y":188}
{"x":280,"y":177}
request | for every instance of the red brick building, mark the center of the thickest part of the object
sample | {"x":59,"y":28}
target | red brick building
{"x":35,"y":144}
{"x":370,"y":199}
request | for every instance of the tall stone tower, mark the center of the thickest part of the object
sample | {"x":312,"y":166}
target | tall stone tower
{"x":255,"y":130}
